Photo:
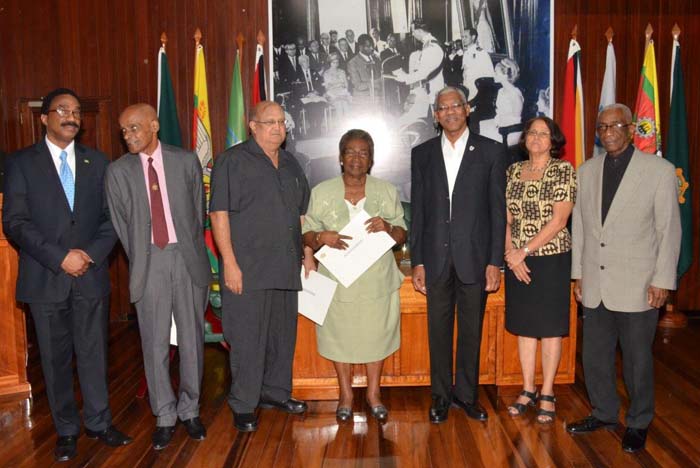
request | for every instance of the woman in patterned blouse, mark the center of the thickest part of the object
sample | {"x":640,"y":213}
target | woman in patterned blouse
{"x":540,"y":195}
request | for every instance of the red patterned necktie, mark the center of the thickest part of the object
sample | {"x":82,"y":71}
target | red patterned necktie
{"x":160,"y":229}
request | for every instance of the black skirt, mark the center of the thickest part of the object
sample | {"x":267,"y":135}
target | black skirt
{"x":541,"y":308}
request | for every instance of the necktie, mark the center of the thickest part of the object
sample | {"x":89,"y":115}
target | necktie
{"x":309,"y":86}
{"x":67,"y":179}
{"x":160,"y":229}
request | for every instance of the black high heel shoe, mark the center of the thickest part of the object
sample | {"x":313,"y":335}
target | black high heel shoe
{"x":521,"y":408}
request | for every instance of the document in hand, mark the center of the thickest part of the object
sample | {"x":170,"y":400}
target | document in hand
{"x":363,"y":250}
{"x":315,"y":296}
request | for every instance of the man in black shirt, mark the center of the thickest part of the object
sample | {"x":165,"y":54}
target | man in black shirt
{"x":259,"y":195}
{"x":626,"y":240}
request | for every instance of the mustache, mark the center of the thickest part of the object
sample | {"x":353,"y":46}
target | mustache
{"x":70,"y":124}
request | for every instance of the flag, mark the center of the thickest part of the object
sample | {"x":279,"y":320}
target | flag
{"x":677,"y":154}
{"x":572,"y":114}
{"x":201,"y":143}
{"x":647,"y":135}
{"x":259,"y":79}
{"x":167,"y":110}
{"x":607,"y":91}
{"x":236,"y":128}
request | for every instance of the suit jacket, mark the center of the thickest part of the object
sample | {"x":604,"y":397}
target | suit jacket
{"x":639,"y":243}
{"x":300,"y":90}
{"x":288,"y":73}
{"x":360,"y":74}
{"x":318,"y":64}
{"x":37,"y":217}
{"x":131,"y":213}
{"x":474,"y":233}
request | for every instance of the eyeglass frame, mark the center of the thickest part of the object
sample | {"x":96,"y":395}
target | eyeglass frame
{"x":538,"y":135}
{"x":602,"y":128}
{"x":64,"y":113}
{"x":270,"y":123}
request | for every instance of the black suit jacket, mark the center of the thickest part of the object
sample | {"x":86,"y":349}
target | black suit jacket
{"x":37,"y":217}
{"x":288,"y":73}
{"x":474,"y":234}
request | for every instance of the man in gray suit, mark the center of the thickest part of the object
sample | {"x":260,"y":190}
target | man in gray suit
{"x":156,"y":201}
{"x":626,"y":241}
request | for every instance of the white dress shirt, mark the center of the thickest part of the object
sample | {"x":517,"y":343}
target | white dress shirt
{"x":452,"y":154}
{"x":56,"y":156}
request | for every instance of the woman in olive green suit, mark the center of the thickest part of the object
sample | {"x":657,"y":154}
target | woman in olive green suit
{"x":362,"y":325}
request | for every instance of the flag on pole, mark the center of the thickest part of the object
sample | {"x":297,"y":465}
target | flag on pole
{"x":167,"y":110}
{"x":607,"y":91}
{"x":572,"y":114}
{"x":236,"y":128}
{"x":677,"y":154}
{"x":201,"y":143}
{"x":647,"y":135}
{"x":259,"y":79}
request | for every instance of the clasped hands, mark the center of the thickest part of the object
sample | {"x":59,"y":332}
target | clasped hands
{"x":76,"y":262}
{"x":336,"y":240}
{"x":515,"y":260}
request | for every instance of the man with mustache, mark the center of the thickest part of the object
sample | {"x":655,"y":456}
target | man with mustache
{"x":156,"y":200}
{"x":259,"y":195}
{"x":56,"y":214}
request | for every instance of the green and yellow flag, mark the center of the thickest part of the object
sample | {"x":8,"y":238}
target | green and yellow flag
{"x":236,"y":128}
{"x":647,"y":136}
{"x":167,"y":110}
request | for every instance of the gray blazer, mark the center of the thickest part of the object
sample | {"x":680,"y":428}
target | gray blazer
{"x":131,"y":215}
{"x":639,"y":243}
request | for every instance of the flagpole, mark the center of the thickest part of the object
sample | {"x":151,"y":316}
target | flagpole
{"x":673,"y":318}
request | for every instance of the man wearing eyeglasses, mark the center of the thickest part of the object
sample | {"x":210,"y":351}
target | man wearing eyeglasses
{"x":457,"y":240}
{"x":259,"y":196}
{"x":626,"y":241}
{"x":55,"y":212}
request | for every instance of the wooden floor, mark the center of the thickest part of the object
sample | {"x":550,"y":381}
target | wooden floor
{"x":407,"y":440}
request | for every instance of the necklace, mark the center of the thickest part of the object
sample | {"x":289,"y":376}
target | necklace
{"x":528,"y":167}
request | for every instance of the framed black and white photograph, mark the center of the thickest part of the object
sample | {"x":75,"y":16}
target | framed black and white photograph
{"x":377,"y":65}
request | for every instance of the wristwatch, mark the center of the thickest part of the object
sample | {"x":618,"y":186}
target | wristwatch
{"x":526,"y":249}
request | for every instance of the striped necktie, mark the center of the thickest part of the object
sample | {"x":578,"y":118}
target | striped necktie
{"x":67,"y":179}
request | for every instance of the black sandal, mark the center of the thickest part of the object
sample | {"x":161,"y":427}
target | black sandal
{"x":546,"y":413}
{"x":521,"y":408}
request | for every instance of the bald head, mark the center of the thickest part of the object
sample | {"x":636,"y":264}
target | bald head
{"x":267,"y":124}
{"x":139,"y":125}
{"x":261,"y":108}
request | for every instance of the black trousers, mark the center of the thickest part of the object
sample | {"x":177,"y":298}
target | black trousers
{"x":635,"y":331}
{"x":261,"y":327}
{"x":470,"y":299}
{"x":78,"y":323}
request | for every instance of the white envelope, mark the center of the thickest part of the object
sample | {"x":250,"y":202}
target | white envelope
{"x":363,"y":250}
{"x":315,"y":296}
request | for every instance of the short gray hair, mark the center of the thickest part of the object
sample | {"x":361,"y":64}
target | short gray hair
{"x":450,"y":89}
{"x":626,"y":112}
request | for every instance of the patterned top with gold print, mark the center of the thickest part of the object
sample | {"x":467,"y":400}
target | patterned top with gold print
{"x":531,"y":204}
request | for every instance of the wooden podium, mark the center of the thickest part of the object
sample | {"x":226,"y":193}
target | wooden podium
{"x":13,"y":335}
{"x":314,"y":377}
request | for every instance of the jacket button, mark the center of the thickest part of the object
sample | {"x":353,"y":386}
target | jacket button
{"x":445,"y":244}
{"x":447,"y":221}
{"x":602,"y":244}
{"x":72,"y":222}
{"x":602,"y":267}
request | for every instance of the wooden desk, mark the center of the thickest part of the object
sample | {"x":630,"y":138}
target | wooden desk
{"x":13,"y":335}
{"x":314,"y":377}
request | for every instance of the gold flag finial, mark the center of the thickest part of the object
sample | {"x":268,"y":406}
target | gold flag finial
{"x":261,"y":37}
{"x":574,"y":32}
{"x":676,"y":31}
{"x":163,"y":39}
{"x":609,"y":34}
{"x":197,"y":36}
{"x":648,"y":32}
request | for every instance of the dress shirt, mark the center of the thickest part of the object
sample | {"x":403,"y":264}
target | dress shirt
{"x":613,"y":170}
{"x":56,"y":156}
{"x":452,"y":154}
{"x":160,"y":171}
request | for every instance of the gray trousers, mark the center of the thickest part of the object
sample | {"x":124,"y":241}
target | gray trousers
{"x":170,"y":292}
{"x":635,"y":331}
{"x":261,"y":327}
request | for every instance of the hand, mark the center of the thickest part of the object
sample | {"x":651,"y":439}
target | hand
{"x":333,"y":240}
{"x":419,"y":279}
{"x":521,"y":272}
{"x":309,"y":265}
{"x":578,"y":292}
{"x":377,"y":224}
{"x":514,"y":257}
{"x":493,"y":278}
{"x":75,"y":263}
{"x":656,"y":297}
{"x":233,"y":278}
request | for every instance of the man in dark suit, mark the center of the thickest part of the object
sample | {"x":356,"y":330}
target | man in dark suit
{"x":288,"y":66}
{"x":307,"y":96}
{"x":156,"y":199}
{"x":318,"y":59}
{"x":392,"y":59}
{"x":56,"y":214}
{"x":457,"y":241}
{"x":344,"y":53}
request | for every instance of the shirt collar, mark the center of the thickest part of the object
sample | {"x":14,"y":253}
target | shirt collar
{"x":157,"y":156}
{"x":462,"y":140}
{"x":623,"y":158}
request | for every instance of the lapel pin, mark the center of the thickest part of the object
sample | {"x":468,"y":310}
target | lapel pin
{"x":471,"y":148}
{"x":86,"y":161}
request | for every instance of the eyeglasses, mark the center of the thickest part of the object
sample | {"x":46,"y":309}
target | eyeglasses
{"x":131,"y":129}
{"x":536,"y":134}
{"x":356,"y":154}
{"x":271,"y":123}
{"x":63,"y":112}
{"x":455,"y":107}
{"x":602,"y":128}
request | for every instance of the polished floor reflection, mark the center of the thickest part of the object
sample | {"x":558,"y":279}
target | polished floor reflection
{"x":406,"y":440}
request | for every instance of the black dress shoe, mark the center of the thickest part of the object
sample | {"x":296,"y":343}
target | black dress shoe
{"x":589,"y":424}
{"x":438,"y":411}
{"x":195,"y":428}
{"x":291,"y":406}
{"x":473,"y":410}
{"x":245,"y":422}
{"x":379,"y":412}
{"x":162,"y":436}
{"x":634,"y":439}
{"x":110,"y":436}
{"x":343,"y":414}
{"x":66,"y":448}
